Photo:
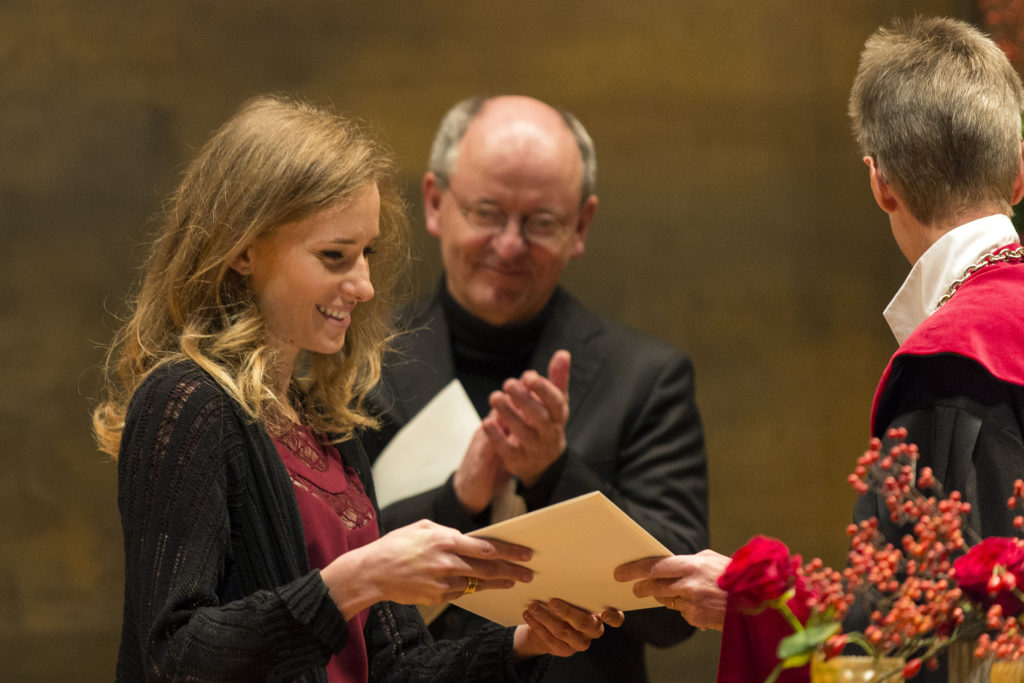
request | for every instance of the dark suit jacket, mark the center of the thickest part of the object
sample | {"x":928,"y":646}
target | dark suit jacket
{"x":633,"y":433}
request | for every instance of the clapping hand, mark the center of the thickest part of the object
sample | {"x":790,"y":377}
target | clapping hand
{"x":526,"y":427}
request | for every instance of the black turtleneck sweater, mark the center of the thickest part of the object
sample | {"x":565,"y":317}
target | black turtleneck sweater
{"x":486,"y":355}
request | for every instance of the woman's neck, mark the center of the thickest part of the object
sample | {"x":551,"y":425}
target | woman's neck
{"x":282,"y":383}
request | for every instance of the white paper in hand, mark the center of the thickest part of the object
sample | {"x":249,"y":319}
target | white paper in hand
{"x":576,"y":546}
{"x":424,"y":453}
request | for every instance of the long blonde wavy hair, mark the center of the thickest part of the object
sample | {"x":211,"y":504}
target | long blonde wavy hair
{"x":277,"y":160}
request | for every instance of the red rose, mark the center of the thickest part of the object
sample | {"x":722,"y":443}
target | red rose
{"x":760,"y":571}
{"x":974,"y":572}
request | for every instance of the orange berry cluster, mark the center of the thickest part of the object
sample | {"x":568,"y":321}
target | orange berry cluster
{"x":1008,"y":640}
{"x":917,"y":605}
{"x":1016,"y":502}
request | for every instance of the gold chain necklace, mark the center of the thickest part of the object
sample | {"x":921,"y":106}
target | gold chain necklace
{"x":986,"y":260}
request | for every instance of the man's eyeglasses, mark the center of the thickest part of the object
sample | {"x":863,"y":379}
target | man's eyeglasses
{"x":542,"y":227}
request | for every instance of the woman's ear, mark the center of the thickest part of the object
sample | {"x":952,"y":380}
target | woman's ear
{"x":243,"y":263}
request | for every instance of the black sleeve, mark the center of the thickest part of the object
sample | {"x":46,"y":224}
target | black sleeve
{"x":403,"y":651}
{"x":175,"y":499}
{"x":967,"y":425}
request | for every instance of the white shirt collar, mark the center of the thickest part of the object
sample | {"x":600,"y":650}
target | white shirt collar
{"x":940,"y":266}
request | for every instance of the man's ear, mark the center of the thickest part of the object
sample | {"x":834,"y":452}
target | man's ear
{"x":243,"y":263}
{"x":583,"y":225}
{"x":432,"y":203}
{"x":883,"y":194}
{"x":1018,"y":182}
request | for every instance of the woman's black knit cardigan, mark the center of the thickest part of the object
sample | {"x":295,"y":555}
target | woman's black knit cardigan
{"x":217,"y":581}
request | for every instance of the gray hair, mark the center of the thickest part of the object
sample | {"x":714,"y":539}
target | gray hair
{"x":445,"y":150}
{"x":938,"y":106}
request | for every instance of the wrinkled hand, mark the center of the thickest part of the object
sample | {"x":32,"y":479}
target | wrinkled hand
{"x":558,"y":628}
{"x":422,"y":563}
{"x":526,"y":427}
{"x":685,"y":583}
{"x":480,"y":475}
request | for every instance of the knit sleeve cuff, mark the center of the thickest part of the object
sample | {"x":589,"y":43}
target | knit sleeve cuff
{"x":307,"y":599}
{"x":526,"y":670}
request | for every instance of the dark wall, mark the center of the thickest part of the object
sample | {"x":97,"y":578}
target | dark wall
{"x":735,"y":221}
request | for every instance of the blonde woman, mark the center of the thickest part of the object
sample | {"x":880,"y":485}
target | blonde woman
{"x":234,"y":392}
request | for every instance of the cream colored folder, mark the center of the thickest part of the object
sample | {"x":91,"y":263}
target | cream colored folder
{"x":576,"y":546}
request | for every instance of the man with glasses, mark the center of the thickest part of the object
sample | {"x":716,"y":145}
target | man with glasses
{"x":510,"y":196}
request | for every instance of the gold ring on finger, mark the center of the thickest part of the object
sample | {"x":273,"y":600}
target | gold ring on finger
{"x":471,"y":584}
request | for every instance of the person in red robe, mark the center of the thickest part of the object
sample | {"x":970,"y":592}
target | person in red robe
{"x":936,"y":109}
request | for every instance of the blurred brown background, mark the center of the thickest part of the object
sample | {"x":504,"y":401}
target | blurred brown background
{"x":735,"y":222}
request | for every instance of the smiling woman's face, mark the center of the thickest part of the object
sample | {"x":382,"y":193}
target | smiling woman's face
{"x":308,"y":275}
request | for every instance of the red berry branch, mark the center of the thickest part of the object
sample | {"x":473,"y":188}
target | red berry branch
{"x":924,"y":593}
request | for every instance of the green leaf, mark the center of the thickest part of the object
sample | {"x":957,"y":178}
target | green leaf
{"x":798,"y":660}
{"x":805,"y":641}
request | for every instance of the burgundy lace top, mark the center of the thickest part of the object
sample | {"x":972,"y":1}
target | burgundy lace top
{"x":337,"y":516}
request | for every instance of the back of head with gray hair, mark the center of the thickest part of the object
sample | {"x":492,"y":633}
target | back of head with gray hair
{"x":445,"y":150}
{"x":938,"y":106}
